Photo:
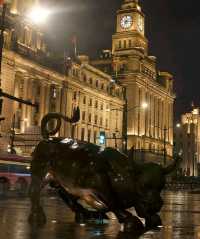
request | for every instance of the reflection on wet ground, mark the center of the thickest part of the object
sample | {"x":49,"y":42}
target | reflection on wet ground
{"x":180,"y":215}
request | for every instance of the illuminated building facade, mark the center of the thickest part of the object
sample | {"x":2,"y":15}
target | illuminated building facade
{"x":187,"y":141}
{"x":137,"y":71}
{"x":29,"y":73}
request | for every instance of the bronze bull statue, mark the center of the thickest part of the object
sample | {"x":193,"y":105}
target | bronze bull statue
{"x":94,"y":181}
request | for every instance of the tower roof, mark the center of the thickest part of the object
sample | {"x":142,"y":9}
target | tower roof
{"x":130,"y":4}
{"x":128,"y":1}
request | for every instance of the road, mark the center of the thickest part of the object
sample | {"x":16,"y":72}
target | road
{"x":180,"y":215}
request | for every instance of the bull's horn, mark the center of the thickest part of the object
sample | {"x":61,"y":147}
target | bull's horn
{"x":172,"y":166}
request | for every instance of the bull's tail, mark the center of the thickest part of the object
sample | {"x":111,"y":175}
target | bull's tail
{"x":58,"y":117}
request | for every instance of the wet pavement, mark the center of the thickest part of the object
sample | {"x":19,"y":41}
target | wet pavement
{"x":180,"y":215}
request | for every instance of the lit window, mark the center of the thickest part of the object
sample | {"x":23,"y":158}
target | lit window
{"x":74,"y":96}
{"x":90,"y":118}
{"x":124,"y":43}
{"x":84,"y":100}
{"x":90,"y":102}
{"x":106,"y":123}
{"x":82,"y":134}
{"x":96,"y":104}
{"x":54,"y":92}
{"x":84,"y":78}
{"x":101,"y":121}
{"x":89,"y":135}
{"x":95,"y":136}
{"x":129,"y":43}
{"x":95,"y":119}
{"x":83,"y":115}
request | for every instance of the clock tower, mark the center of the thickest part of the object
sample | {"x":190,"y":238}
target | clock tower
{"x":130,"y":30}
{"x":145,"y":85}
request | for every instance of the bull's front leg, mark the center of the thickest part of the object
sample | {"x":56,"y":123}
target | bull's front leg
{"x":39,"y":170}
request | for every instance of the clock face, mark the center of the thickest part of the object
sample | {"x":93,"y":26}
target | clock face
{"x":126,"y":22}
{"x":140,"y":24}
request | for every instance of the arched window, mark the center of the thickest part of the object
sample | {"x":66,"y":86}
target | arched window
{"x":124,"y":43}
{"x":90,"y":117}
{"x":84,"y":78}
{"x":97,"y":83}
{"x":83,"y":115}
{"x":84,"y":100}
{"x":90,"y":102}
{"x":96,"y":104}
{"x":95,"y":119}
{"x":129,"y":43}
{"x":101,"y":121}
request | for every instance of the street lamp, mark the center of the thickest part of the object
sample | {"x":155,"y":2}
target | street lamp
{"x":38,"y":14}
{"x":165,"y":129}
{"x":144,"y":105}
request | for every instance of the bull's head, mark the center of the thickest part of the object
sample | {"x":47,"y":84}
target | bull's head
{"x":150,"y":180}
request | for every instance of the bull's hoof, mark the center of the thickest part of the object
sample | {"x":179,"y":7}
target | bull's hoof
{"x":133,"y":224}
{"x":153,"y":221}
{"x":37,"y":217}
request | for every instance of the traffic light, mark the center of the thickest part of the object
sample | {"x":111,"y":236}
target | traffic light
{"x":1,"y":105}
{"x":102,"y":137}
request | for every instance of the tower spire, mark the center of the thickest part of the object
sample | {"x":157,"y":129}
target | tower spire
{"x":127,"y":1}
{"x":130,"y":4}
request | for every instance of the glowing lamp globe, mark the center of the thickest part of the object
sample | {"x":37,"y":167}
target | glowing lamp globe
{"x":38,"y":15}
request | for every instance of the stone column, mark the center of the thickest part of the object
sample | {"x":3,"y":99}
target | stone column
{"x":14,"y":7}
{"x":58,"y":99}
{"x":152,"y":116}
{"x":155,"y":117}
{"x":135,"y":119}
{"x":166,"y":125}
{"x":68,"y":110}
{"x":47,"y":98}
{"x":160,"y":118}
{"x":24,"y":107}
{"x":147,"y":112}
{"x":42,"y":100}
{"x":143,"y":113}
{"x":30,"y":90}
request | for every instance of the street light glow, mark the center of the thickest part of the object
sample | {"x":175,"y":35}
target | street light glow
{"x":38,"y":14}
{"x":178,"y":125}
{"x":144,"y":105}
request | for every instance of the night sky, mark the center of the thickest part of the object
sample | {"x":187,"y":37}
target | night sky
{"x":172,"y":28}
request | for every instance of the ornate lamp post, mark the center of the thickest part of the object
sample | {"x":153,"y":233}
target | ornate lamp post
{"x":144,"y":105}
{"x":38,"y":14}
